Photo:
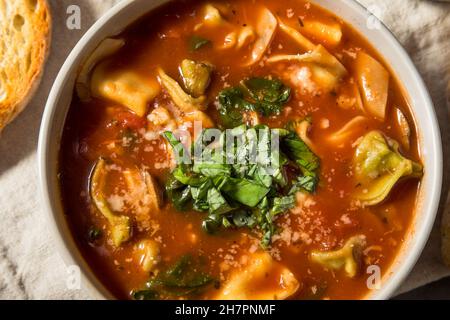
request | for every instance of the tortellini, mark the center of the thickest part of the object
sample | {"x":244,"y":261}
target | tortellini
{"x":330,"y":33}
{"x":105,"y":49}
{"x":240,"y":38}
{"x":373,"y":82}
{"x":143,"y":196}
{"x":120,"y":225}
{"x":378,"y":166}
{"x":304,"y":42}
{"x":347,"y":258}
{"x":190,"y":107}
{"x":124,"y":87}
{"x":403,"y":127}
{"x":211,"y":16}
{"x":98,"y":79}
{"x":246,"y":284}
{"x":265,"y":30}
{"x":349,"y":130}
{"x":184,"y":101}
{"x":326,"y":69}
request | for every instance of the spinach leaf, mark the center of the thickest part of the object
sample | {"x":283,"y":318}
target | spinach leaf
{"x":265,"y":96}
{"x":231,"y":106}
{"x":181,"y":279}
{"x":269,"y":95}
{"x":146,"y":294}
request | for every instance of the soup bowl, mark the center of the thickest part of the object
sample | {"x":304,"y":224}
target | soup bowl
{"x":126,"y":12}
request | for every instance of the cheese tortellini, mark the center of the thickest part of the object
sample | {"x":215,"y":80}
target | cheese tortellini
{"x":378,"y":166}
{"x":249,"y":283}
{"x":347,"y":258}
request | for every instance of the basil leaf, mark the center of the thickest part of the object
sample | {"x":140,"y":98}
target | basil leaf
{"x":212,"y":169}
{"x":261,"y":175}
{"x":237,"y":190}
{"x":181,"y":154}
{"x":197,"y":42}
{"x":212,"y":223}
{"x":265,"y":221}
{"x":282,"y":204}
{"x":245,"y":191}
{"x":307,"y":182}
{"x":178,"y":194}
{"x":298,"y":151}
{"x":199,"y":194}
{"x":217,"y":203}
{"x":183,"y":174}
{"x":202,"y":191}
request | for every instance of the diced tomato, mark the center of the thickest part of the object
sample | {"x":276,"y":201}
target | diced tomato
{"x":130,"y":120}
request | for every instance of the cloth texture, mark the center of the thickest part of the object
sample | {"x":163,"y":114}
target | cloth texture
{"x":30,"y":266}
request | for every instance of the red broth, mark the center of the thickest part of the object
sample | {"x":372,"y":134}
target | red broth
{"x":324,"y":220}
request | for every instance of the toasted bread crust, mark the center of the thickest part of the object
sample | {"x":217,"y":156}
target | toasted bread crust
{"x":25,"y":27}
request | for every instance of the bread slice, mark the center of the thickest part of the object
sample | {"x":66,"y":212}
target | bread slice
{"x":25,"y":28}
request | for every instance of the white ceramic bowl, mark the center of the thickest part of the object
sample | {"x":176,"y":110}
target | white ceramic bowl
{"x":127,"y":11}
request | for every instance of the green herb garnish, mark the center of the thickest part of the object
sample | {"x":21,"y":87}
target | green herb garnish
{"x":196,"y":42}
{"x":265,"y":96}
{"x":236,"y":188}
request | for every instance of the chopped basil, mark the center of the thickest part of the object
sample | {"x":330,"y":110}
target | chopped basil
{"x":235,"y":192}
{"x":196,"y":42}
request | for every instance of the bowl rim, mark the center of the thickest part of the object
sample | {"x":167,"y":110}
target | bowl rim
{"x":93,"y":284}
